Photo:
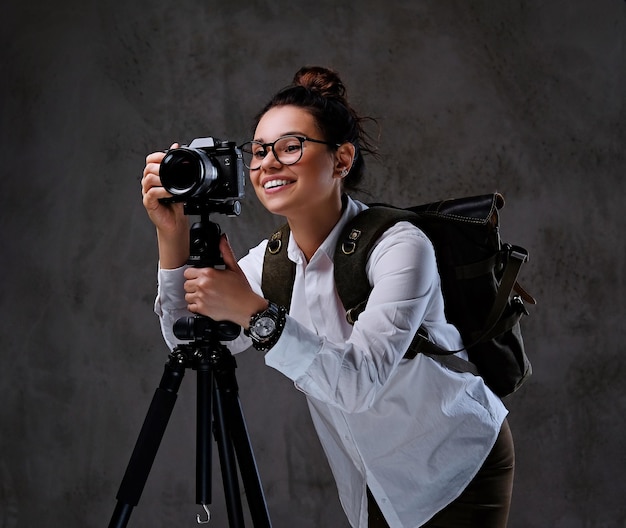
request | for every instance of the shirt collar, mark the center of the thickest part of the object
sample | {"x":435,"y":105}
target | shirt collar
{"x":351,"y":209}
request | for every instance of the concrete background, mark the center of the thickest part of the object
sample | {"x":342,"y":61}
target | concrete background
{"x":524,"y":97}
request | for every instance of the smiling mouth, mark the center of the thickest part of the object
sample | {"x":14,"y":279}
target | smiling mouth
{"x":272,"y":184}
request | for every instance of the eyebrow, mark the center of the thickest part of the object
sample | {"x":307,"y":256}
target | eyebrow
{"x":294,"y":133}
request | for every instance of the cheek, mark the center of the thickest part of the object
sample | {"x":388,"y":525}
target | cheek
{"x":325,"y":174}
{"x":321,"y":168}
{"x":253,"y":176}
{"x":254,"y":181}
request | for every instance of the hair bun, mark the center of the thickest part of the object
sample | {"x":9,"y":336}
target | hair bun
{"x":320,"y":80}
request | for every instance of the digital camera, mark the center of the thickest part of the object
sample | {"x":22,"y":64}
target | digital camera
{"x":207,"y":172}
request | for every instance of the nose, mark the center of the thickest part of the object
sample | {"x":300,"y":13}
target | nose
{"x":270,"y":159}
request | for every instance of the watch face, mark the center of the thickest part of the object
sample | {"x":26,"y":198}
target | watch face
{"x":264,"y":327}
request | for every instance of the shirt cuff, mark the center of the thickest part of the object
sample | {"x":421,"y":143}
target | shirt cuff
{"x":171,"y":290}
{"x":295,"y":350}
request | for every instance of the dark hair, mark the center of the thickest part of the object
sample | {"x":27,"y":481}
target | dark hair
{"x":320,"y":91}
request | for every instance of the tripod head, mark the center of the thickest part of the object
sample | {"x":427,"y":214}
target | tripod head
{"x":204,"y":240}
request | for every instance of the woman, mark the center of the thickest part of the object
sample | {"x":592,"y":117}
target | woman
{"x":409,"y":442}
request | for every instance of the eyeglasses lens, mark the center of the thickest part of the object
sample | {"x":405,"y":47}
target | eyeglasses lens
{"x":287,"y":150}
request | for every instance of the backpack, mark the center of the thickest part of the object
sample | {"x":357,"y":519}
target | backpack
{"x":478,"y":273}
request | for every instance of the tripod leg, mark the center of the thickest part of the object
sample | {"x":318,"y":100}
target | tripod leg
{"x":203,"y":433}
{"x":148,"y":443}
{"x":228,"y":392}
{"x":227,"y":462}
{"x":248,"y":468}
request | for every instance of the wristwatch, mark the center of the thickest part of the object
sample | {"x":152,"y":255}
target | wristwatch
{"x":266,"y":327}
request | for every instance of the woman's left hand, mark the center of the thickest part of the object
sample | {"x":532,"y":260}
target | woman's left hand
{"x":222,"y":294}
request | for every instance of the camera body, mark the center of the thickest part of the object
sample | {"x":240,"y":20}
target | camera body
{"x":208,"y":173}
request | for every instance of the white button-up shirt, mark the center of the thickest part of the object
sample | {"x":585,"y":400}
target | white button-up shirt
{"x":412,"y":431}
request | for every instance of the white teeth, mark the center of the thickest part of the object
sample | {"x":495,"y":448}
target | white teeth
{"x":275,"y":183}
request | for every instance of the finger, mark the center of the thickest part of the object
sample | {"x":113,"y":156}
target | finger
{"x":152,"y":168}
{"x":150,"y":180}
{"x":191,"y":273}
{"x":152,"y":193}
{"x":155,"y":157}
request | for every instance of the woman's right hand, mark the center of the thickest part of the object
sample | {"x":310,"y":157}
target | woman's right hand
{"x":169,"y":218}
{"x":164,"y":216}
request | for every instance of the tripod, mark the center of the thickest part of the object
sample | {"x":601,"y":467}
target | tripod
{"x":217,"y":398}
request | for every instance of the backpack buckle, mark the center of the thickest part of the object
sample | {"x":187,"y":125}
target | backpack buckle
{"x":352,"y":315}
{"x":275,"y":243}
{"x":348,"y":247}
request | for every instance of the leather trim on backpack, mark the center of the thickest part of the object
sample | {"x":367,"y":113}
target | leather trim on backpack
{"x":279,"y":272}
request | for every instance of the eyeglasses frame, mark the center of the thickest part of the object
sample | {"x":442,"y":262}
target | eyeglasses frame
{"x":299,"y":137}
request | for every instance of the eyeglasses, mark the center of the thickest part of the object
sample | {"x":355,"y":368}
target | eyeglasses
{"x":286,"y":149}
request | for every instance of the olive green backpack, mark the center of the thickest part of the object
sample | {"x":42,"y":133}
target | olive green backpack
{"x":478,"y":277}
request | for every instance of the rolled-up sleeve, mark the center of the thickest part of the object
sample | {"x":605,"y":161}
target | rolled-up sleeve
{"x":170,"y":303}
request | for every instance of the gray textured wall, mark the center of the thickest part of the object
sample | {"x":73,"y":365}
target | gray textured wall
{"x":524,"y":97}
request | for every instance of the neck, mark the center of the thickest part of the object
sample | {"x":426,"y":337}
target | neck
{"x":311,"y":230}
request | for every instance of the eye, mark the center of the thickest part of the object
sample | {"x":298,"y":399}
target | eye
{"x":292,"y":148}
{"x":289,"y":145}
{"x":258,"y":151}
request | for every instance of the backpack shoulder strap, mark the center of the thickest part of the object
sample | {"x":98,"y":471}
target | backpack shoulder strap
{"x":279,"y":272}
{"x":353,"y":249}
{"x":351,"y":254}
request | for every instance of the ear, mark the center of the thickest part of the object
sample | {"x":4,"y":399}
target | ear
{"x":344,"y":158}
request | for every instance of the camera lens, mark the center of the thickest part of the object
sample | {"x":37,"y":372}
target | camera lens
{"x":187,"y":172}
